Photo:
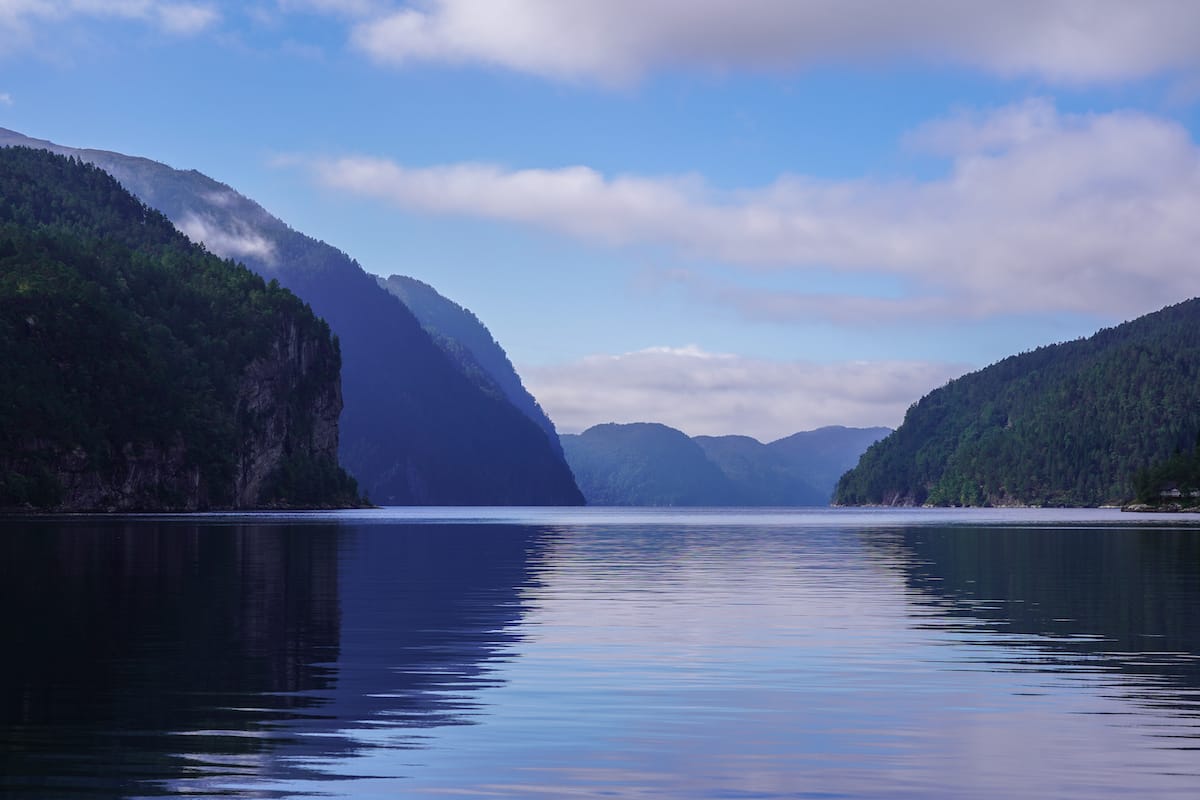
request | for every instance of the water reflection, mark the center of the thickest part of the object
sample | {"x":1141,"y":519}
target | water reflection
{"x":1117,"y":600}
{"x":710,"y":656}
{"x":155,"y":658}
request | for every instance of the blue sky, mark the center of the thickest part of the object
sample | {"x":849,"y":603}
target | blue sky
{"x":733,"y":216}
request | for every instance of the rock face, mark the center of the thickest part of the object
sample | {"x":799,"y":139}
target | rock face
{"x":284,"y":409}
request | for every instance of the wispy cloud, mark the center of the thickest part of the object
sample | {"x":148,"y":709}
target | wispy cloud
{"x":1039,"y":211}
{"x":21,"y":20}
{"x":1063,"y":41}
{"x":708,"y":393}
{"x":234,"y":239}
{"x":185,"y":19}
{"x":6,"y":99}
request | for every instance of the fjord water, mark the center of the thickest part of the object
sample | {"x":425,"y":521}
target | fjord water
{"x":601,"y":653}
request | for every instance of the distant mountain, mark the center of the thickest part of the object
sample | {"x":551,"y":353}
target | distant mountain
{"x":645,"y":464}
{"x":654,"y":465}
{"x":415,"y":429}
{"x":470,"y":344}
{"x":819,"y":457}
{"x":138,"y":371}
{"x":1066,"y":424}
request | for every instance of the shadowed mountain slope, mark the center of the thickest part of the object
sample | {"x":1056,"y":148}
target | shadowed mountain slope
{"x":415,"y":429}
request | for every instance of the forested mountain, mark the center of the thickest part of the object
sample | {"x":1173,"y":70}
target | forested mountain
{"x":1066,"y":424}
{"x":649,"y":464}
{"x":138,"y":371}
{"x":415,"y":428}
{"x":470,"y":344}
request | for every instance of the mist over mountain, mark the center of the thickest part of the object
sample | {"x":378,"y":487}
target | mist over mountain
{"x":650,"y":464}
{"x":415,"y":428}
{"x":1065,"y":424}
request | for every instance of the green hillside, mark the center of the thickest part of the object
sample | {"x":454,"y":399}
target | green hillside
{"x":138,"y":370}
{"x":1067,"y":424}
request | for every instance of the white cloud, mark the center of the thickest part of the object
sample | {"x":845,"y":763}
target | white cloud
{"x":614,"y":41}
{"x":1039,"y":211}
{"x":238,"y":240}
{"x":704,"y":393}
{"x":186,"y":19}
{"x":6,"y":99}
{"x":19,"y":19}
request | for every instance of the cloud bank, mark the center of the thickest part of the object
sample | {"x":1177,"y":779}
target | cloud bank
{"x":704,"y":393}
{"x":1039,"y":211}
{"x":617,"y":41}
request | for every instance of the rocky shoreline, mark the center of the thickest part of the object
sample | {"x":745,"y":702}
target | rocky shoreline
{"x":1162,"y":508}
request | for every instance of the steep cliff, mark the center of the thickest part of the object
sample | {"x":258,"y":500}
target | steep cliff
{"x":416,"y":428}
{"x":140,"y":372}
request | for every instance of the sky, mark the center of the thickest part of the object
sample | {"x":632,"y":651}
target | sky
{"x":730,"y":216}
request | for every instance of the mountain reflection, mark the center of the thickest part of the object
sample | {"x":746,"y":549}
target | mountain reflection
{"x":144,"y":658}
{"x":1116,"y":599}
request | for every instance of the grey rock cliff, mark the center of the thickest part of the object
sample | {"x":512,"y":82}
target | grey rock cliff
{"x":284,"y":407}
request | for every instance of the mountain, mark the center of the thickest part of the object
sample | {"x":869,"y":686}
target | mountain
{"x":140,"y":372}
{"x":798,"y":470}
{"x":1066,"y":424}
{"x":645,"y":464}
{"x":470,"y":345}
{"x":649,"y":464}
{"x":415,"y":429}
{"x":819,"y":457}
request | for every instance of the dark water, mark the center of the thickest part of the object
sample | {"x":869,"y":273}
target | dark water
{"x":590,"y":654}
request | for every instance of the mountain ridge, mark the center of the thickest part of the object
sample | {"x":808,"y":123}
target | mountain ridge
{"x":414,"y":428}
{"x":653,"y":464}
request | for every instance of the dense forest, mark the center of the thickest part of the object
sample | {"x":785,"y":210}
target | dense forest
{"x":1174,"y":482}
{"x":123,"y":347}
{"x":649,"y":464}
{"x":416,"y":427}
{"x":1066,"y":424}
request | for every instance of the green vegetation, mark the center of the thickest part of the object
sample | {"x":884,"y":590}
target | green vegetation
{"x":1175,"y":481}
{"x":1068,"y":424}
{"x":119,"y":338}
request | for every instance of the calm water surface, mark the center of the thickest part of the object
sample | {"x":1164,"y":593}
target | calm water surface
{"x":429,"y":653}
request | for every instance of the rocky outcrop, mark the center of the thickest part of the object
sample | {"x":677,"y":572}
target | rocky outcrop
{"x":286,"y":407}
{"x":288,"y":402}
